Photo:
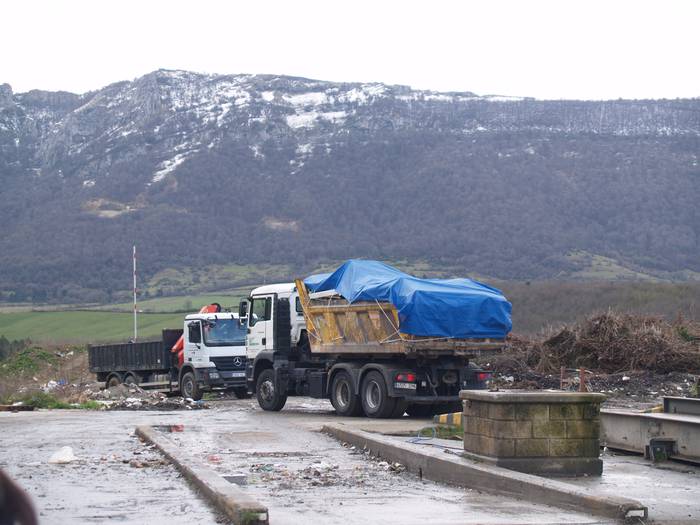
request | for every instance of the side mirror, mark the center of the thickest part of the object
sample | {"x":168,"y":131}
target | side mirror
{"x":243,"y":309}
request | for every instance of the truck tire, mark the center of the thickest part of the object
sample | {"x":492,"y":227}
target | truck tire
{"x":343,"y":398}
{"x":131,"y":379}
{"x":241,"y":392}
{"x":375,"y":396}
{"x":269,"y":398}
{"x":417,"y":410}
{"x":189,"y":387}
{"x":113,"y":380}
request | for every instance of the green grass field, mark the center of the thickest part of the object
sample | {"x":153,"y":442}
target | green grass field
{"x":83,"y":327}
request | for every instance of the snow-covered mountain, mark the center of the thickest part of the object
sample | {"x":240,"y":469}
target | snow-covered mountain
{"x":301,"y":170}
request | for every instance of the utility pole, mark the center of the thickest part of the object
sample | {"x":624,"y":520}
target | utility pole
{"x":135,"y":321}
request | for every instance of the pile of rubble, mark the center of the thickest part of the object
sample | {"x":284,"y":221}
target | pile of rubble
{"x":132,"y":397}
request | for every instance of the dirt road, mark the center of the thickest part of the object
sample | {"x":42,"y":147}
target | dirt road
{"x":302,"y":475}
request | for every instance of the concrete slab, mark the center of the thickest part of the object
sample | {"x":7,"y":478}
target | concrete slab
{"x":304,"y":476}
{"x":455,"y":469}
{"x":102,"y":485}
{"x":670,"y":490}
{"x":238,"y":506}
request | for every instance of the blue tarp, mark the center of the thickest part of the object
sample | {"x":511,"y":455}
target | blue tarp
{"x":460,"y":308}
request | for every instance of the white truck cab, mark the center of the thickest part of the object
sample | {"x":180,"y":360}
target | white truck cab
{"x":259,"y":310}
{"x":214,"y":354}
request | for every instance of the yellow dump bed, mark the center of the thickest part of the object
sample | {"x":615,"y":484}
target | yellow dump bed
{"x":338,"y":327}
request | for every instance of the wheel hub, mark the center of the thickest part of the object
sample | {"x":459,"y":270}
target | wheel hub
{"x":373,"y":395}
{"x":342,"y":394}
{"x":267,"y":391}
{"x":187,"y":388}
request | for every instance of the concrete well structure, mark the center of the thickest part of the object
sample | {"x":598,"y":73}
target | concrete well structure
{"x":538,"y":432}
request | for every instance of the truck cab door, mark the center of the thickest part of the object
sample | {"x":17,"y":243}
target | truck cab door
{"x":259,"y":335}
{"x":193,"y":341}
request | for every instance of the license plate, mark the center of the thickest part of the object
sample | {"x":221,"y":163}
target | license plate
{"x":238,"y":374}
{"x":406,"y":386}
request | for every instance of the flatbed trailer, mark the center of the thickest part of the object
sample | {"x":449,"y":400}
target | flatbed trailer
{"x":149,"y":364}
{"x":208,"y":353}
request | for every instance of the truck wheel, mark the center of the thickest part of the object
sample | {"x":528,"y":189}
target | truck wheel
{"x":131,"y":379}
{"x":189,"y":387}
{"x":269,"y":398}
{"x":343,"y":399}
{"x":113,"y":380}
{"x":375,"y":397}
{"x":420,"y":410}
{"x":241,"y":392}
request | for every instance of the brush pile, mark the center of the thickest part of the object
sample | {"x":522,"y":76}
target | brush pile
{"x":608,"y":343}
{"x":614,"y":343}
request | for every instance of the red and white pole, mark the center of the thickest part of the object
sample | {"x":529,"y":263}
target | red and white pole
{"x":135,"y":322}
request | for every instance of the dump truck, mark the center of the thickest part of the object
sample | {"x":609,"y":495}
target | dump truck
{"x":322,"y":345}
{"x":207,"y":354}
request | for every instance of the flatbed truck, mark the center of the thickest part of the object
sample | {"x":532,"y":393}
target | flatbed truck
{"x":212,"y":356}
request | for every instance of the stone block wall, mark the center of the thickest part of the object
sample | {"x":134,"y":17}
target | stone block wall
{"x":540,"y":432}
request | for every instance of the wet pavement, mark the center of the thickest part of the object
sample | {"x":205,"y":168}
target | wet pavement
{"x":670,"y":490}
{"x":280,"y":459}
{"x":116,"y":478}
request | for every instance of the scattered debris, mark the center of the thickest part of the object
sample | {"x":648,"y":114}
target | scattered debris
{"x":132,"y":397}
{"x":145,"y":463}
{"x":322,"y":473}
{"x":237,"y":479}
{"x":62,"y":456}
{"x":51,"y":385}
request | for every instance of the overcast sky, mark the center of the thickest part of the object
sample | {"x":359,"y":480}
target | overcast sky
{"x":586,"y":49}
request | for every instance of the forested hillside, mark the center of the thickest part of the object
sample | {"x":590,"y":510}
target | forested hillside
{"x":216,"y":170}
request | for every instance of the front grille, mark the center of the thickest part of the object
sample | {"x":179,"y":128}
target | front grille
{"x":227,"y":363}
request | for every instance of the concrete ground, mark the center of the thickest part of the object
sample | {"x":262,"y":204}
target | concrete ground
{"x":300,"y":474}
{"x":670,"y":490}
{"x":101,"y":486}
{"x":283,"y":461}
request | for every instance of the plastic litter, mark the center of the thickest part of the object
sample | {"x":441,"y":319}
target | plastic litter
{"x":62,"y":456}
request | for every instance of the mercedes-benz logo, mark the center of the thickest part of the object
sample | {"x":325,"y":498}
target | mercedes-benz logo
{"x":237,"y":361}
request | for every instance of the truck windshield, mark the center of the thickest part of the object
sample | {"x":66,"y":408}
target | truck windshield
{"x":224,"y":332}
